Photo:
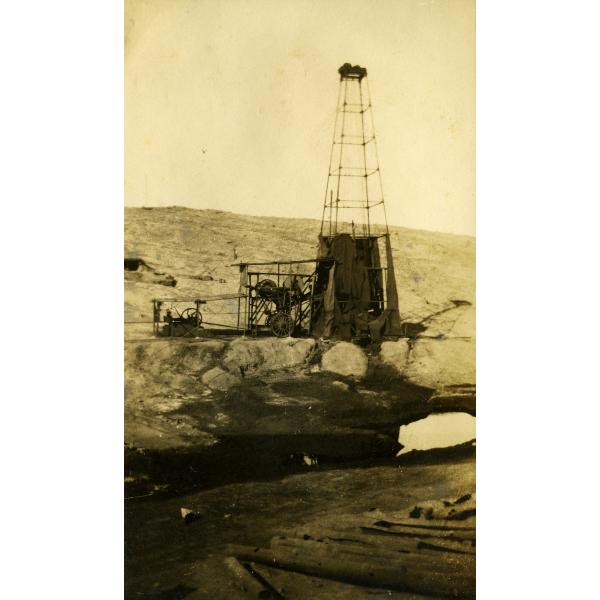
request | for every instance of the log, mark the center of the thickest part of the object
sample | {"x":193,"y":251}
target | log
{"x":448,"y":545}
{"x":423,"y":534}
{"x":391,"y":543}
{"x":395,"y":575}
{"x":299,"y":585}
{"x":345,"y":522}
{"x":421,"y":558}
{"x":249,"y":584}
{"x":433,"y":524}
{"x":366,"y":528}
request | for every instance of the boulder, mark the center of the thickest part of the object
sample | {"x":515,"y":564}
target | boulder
{"x":433,"y":363}
{"x":246,"y":355}
{"x":346,"y":359}
{"x":441,"y":363}
{"x":395,"y":353}
{"x":218,"y":379}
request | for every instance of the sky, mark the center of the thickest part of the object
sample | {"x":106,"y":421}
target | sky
{"x":230,"y":104}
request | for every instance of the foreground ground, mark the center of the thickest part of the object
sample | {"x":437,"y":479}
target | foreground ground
{"x":167,"y":559}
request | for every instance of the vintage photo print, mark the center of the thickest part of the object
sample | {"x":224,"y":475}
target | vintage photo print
{"x":299,"y":318}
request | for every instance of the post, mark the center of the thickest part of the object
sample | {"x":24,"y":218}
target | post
{"x":312,"y":294}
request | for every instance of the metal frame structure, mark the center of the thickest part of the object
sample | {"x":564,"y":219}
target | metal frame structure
{"x":280,"y":296}
{"x":183,"y":317}
{"x":275,"y":298}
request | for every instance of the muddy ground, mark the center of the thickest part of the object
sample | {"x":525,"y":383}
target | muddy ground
{"x":273,"y":449}
{"x":277,"y":450}
{"x":167,"y":559}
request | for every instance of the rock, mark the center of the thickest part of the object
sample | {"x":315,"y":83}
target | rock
{"x":395,"y":353}
{"x":267,"y":354}
{"x":346,"y":359}
{"x":150,"y":277}
{"x":340,"y":384}
{"x":167,"y":405}
{"x":204,"y":277}
{"x":189,"y":516}
{"x":440,"y":363}
{"x":218,"y":379}
{"x":454,"y":510}
{"x":434,"y":363}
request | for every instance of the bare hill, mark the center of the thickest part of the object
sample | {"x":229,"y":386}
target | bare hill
{"x":432,"y":269}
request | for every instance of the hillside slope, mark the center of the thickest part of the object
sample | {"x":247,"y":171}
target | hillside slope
{"x":432,"y":269}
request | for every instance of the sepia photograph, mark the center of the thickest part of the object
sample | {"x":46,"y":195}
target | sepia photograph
{"x":294,"y":259}
{"x":299,"y":271}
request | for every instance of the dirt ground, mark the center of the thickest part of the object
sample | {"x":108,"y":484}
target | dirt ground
{"x":167,"y":559}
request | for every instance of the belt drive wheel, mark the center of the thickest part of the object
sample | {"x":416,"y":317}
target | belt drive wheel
{"x":282,"y":324}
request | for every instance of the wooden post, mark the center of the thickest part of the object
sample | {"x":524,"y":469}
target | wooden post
{"x":312,"y":294}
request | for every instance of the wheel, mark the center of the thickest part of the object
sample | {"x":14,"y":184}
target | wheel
{"x":265,"y":287}
{"x":190,"y":315}
{"x":282,"y":324}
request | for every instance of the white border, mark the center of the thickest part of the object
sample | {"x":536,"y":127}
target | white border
{"x":62,"y":299}
{"x":537,"y":197}
{"x":62,"y":191}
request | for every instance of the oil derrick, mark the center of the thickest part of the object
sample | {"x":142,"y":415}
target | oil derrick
{"x":355,"y":291}
{"x":354,"y":194}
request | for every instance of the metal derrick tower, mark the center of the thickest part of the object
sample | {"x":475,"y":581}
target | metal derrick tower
{"x":354,"y":201}
{"x":355,"y":291}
